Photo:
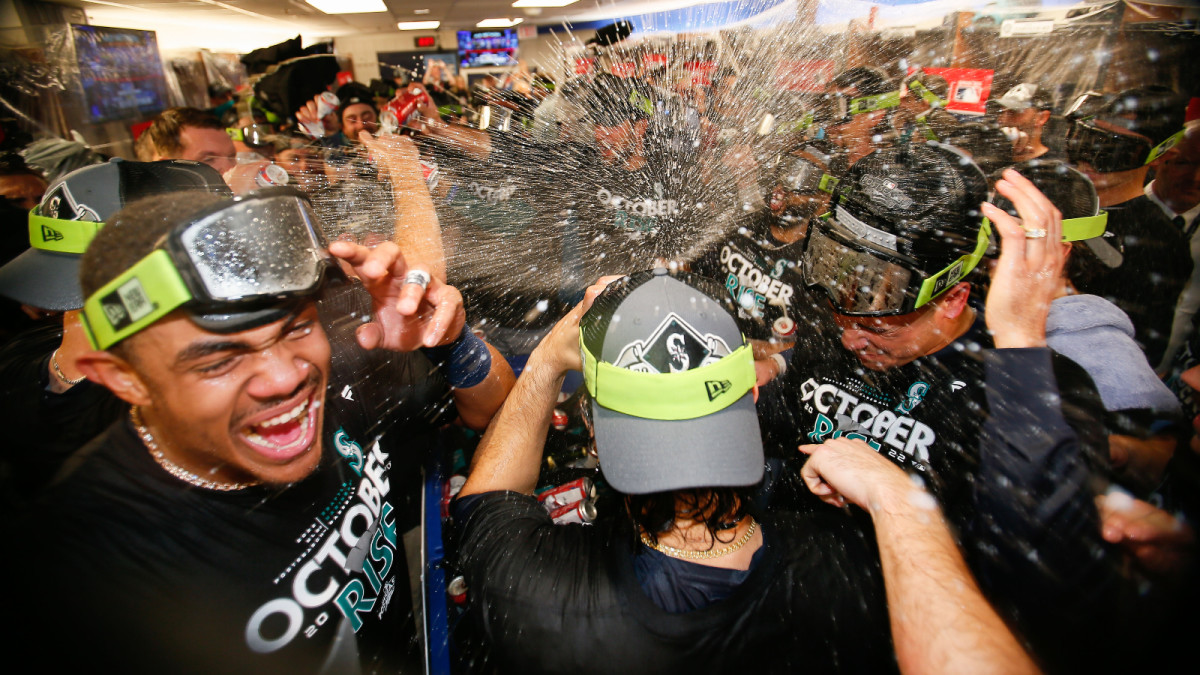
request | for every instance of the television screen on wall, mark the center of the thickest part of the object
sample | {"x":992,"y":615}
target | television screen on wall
{"x":120,"y":71}
{"x":487,"y":48}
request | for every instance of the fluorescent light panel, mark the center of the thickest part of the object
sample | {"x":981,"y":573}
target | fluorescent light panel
{"x":498,"y":23}
{"x":543,"y":3}
{"x":348,"y":6}
{"x":418,"y":25}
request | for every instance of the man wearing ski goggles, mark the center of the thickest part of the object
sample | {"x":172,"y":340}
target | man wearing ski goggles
{"x":854,"y":109}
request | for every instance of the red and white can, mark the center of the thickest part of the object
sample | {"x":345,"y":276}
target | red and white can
{"x":560,"y":419}
{"x":784,"y":328}
{"x":580,"y":512}
{"x":271,"y":175}
{"x":457,"y":590}
{"x":568,"y":493}
{"x":327,"y":103}
{"x":397,"y":112}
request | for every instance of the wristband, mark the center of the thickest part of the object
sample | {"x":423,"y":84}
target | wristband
{"x":780,"y":362}
{"x":464,"y":362}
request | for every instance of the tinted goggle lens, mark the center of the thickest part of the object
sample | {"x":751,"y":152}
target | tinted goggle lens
{"x":259,"y":247}
{"x":857,"y":282}
{"x":1105,"y":151}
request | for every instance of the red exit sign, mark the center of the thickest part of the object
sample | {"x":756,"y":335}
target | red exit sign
{"x":426,"y":41}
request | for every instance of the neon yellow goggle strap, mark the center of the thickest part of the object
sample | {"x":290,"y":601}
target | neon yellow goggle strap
{"x":235,"y":134}
{"x":1164,"y":147}
{"x":866,"y":104}
{"x":828,"y":183}
{"x":1088,"y":227}
{"x":955,"y":271}
{"x":61,"y":236}
{"x":641,"y":102}
{"x":150,"y":290}
{"x":670,"y":396}
{"x":926,"y":95}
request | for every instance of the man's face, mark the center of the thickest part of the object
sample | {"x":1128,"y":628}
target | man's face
{"x":883,"y":342}
{"x":1026,"y":120}
{"x":211,"y":146}
{"x":23,"y":190}
{"x":1177,"y":176}
{"x":245,"y":406}
{"x":358,"y":117}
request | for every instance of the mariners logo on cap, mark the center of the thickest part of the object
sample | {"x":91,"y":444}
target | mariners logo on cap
{"x":61,"y":204}
{"x":673,"y":347}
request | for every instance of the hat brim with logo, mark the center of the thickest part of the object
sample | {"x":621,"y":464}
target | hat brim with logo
{"x":72,"y":211}
{"x":671,"y":378}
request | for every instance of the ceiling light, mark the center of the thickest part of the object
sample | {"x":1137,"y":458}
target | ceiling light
{"x":348,"y":6}
{"x":543,"y":3}
{"x":498,"y":23}
{"x":418,"y":25}
{"x":420,"y":11}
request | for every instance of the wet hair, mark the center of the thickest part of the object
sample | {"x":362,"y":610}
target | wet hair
{"x":162,"y":136}
{"x":868,"y":81}
{"x":134,"y":232}
{"x":655,"y":513}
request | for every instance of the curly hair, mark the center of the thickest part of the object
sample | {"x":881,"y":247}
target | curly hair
{"x":656,"y":513}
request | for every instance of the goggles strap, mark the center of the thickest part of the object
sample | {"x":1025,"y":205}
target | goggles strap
{"x":926,"y":95}
{"x":147,"y":292}
{"x":828,"y":183}
{"x":1088,"y":227}
{"x":1165,"y":147}
{"x":955,"y":271}
{"x":866,"y":104}
{"x":235,"y":134}
{"x":669,"y":396}
{"x":61,"y":236}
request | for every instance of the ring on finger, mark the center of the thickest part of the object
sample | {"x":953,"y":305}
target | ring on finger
{"x":1035,"y":234}
{"x":419,"y":277}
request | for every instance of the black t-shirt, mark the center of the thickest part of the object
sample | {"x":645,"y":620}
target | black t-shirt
{"x":43,"y":428}
{"x":1157,"y":266}
{"x":566,"y":599}
{"x":138,"y":571}
{"x":763,"y":276}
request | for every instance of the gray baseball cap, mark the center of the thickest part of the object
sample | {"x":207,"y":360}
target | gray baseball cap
{"x":74,"y":207}
{"x":1027,"y":95}
{"x":671,"y":379}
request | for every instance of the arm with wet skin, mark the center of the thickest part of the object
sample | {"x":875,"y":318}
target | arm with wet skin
{"x":510,"y":455}
{"x":407,"y":316}
{"x":417,"y":230}
{"x":940,"y":620}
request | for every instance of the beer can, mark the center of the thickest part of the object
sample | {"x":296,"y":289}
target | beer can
{"x":327,"y":102}
{"x":313,"y":129}
{"x":784,"y":328}
{"x":568,"y":493}
{"x":567,"y":457}
{"x":456,"y":483}
{"x":429,"y":171}
{"x":560,"y":419}
{"x":271,"y":174}
{"x":580,"y":512}
{"x":457,"y":590}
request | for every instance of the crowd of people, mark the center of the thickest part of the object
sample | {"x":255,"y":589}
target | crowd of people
{"x":870,"y":386}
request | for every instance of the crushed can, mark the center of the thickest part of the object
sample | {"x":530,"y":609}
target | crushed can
{"x":784,"y":329}
{"x":457,"y":590}
{"x":560,"y":419}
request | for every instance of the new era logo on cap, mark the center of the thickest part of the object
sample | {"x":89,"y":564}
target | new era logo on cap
{"x":717,"y":387}
{"x":51,"y":234}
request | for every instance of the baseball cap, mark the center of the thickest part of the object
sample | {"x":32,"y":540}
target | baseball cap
{"x":74,"y":208}
{"x":671,"y":379}
{"x":1026,"y":95}
{"x":353,"y":93}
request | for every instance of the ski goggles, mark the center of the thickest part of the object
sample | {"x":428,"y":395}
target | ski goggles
{"x":1108,"y":151}
{"x":804,"y":176}
{"x":231,"y":267}
{"x":255,"y":135}
{"x":60,"y":236}
{"x":834,"y":109}
{"x":861,"y":271}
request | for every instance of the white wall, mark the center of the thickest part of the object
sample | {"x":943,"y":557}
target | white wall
{"x":544,"y":51}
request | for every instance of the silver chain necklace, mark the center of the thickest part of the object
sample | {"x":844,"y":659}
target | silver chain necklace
{"x":174,"y":469}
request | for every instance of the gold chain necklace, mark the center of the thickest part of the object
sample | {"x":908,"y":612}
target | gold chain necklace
{"x":174,"y":469}
{"x":702,"y":555}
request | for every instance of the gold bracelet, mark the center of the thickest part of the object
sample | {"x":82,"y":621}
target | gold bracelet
{"x":59,"y":373}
